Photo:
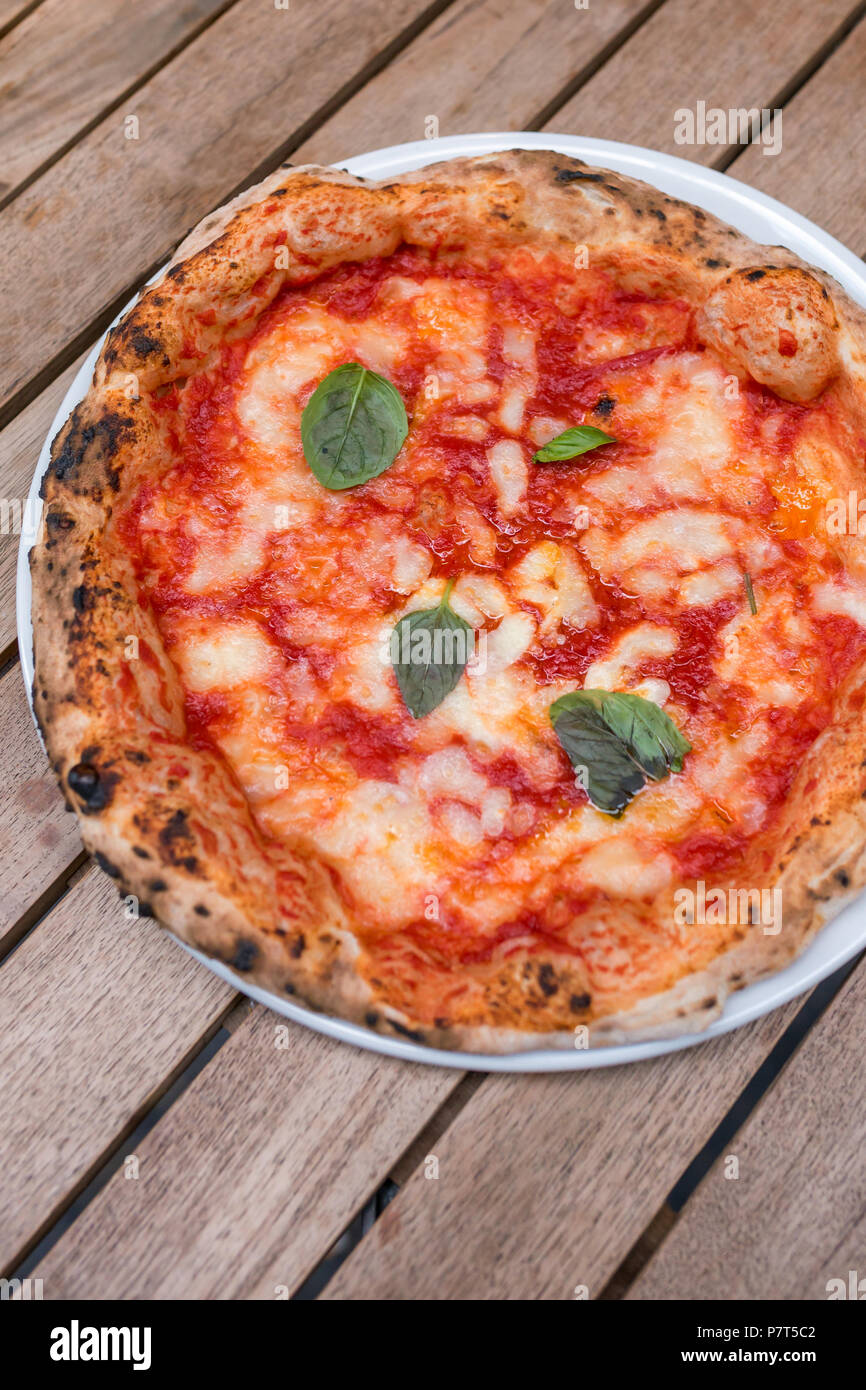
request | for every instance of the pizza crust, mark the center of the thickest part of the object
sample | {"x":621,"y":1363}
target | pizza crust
{"x":188,"y":847}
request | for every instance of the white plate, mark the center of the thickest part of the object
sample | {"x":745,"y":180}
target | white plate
{"x":764,"y":220}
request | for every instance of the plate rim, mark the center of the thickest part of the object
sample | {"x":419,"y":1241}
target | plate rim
{"x":835,"y":943}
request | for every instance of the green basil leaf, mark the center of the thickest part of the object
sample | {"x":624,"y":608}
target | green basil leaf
{"x":429,"y":651}
{"x":578,"y":440}
{"x":650,"y":735}
{"x":611,"y":777}
{"x":620,"y":739}
{"x":353,"y":427}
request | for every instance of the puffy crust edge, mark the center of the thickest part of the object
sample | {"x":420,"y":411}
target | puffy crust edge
{"x":210,"y":882}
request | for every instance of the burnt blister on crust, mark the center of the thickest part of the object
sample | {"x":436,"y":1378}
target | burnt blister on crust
{"x":547,"y":981}
{"x":105,"y":864}
{"x":91,"y":786}
{"x":563,"y":175}
{"x":176,"y":841}
{"x":245,"y":956}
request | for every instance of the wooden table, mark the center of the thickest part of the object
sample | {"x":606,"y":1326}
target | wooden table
{"x":156,"y":1141}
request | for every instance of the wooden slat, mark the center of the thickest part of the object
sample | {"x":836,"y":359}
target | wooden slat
{"x":795,"y":1216}
{"x":735,"y":55}
{"x":99,"y":1013}
{"x":73,"y":242}
{"x":70,"y":60}
{"x":488,"y":66}
{"x":545,"y":1183}
{"x":815,"y":172}
{"x":12,"y":10}
{"x":39,"y":840}
{"x":253,"y":1173}
{"x":20,"y":445}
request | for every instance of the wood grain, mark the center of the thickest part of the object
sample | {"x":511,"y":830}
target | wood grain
{"x":39,"y":841}
{"x":733,"y":55}
{"x":99,"y":1013}
{"x":795,"y":1216}
{"x":489,"y":66}
{"x":815,"y":171}
{"x":91,"y":226}
{"x":20,"y":446}
{"x":70,"y":60}
{"x":252,"y":1174}
{"x":545,"y":1183}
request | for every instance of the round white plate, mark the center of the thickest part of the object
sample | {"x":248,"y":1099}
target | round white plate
{"x":761,"y":218}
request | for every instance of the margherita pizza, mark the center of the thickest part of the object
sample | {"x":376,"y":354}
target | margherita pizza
{"x":451,"y":609}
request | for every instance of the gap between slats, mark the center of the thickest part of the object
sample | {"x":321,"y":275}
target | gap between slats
{"x":15,"y":19}
{"x":798,"y":81}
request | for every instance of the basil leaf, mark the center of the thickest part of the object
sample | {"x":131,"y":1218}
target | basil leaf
{"x":612,"y":778}
{"x":353,"y":427}
{"x":578,"y":440}
{"x":430,"y":649}
{"x":651,"y":737}
{"x":620,"y":739}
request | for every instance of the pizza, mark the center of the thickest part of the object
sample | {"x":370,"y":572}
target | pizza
{"x":450,"y":611}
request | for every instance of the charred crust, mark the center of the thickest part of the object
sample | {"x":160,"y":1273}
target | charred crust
{"x":245,"y":956}
{"x":106,"y":865}
{"x":604,"y":406}
{"x":104,"y":436}
{"x":572,"y":175}
{"x":143,"y":344}
{"x":176,"y":839}
{"x":371,"y":1018}
{"x":412,"y":1033}
{"x":579,"y":1003}
{"x":547,"y":981}
{"x":755,"y":274}
{"x":141,"y":851}
{"x":297,"y":946}
{"x":201,"y":910}
{"x":843,"y":878}
{"x":157,"y":885}
{"x":92,"y":788}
